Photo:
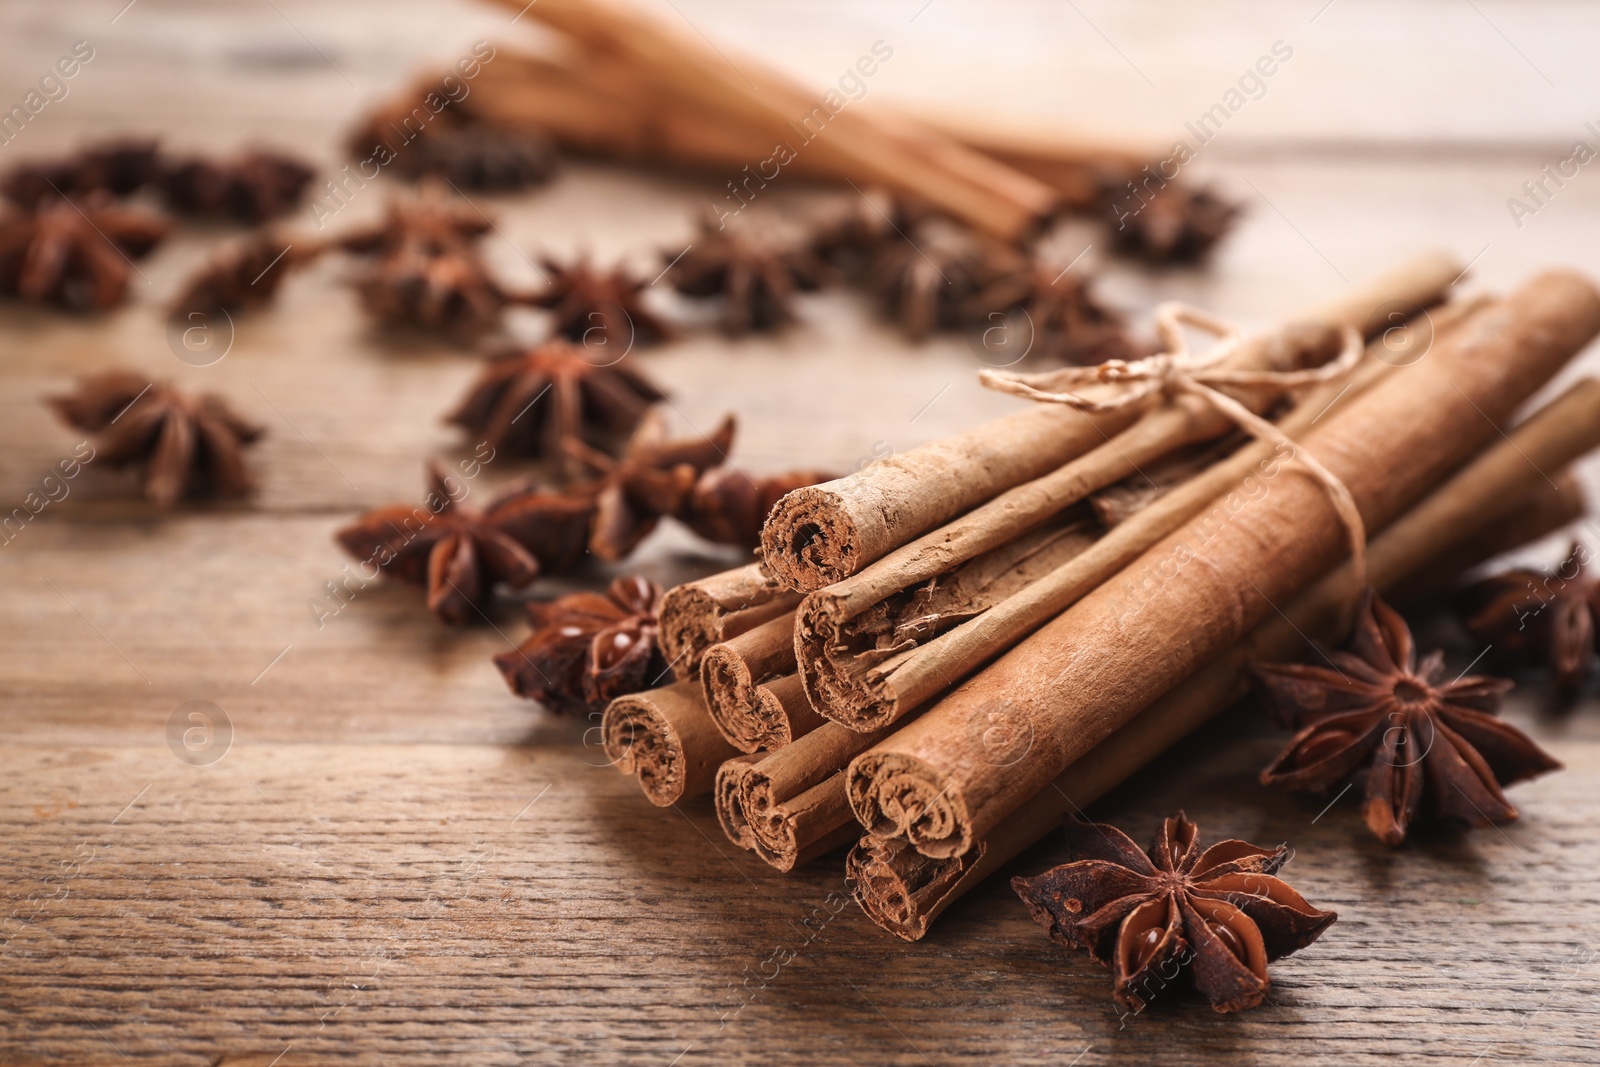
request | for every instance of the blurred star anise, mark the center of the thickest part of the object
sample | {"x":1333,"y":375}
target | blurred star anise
{"x":191,"y":446}
{"x":848,"y":237}
{"x":75,"y":254}
{"x":252,"y":187}
{"x":1175,"y":225}
{"x":480,"y":158}
{"x":757,"y":277}
{"x":244,"y":275}
{"x":118,"y":167}
{"x":587,"y":649}
{"x":529,"y":401}
{"x":458,"y":552}
{"x":1221,"y":912}
{"x":1065,"y":321}
{"x":1430,"y":746}
{"x":653,"y":478}
{"x":603,"y":310}
{"x":729,"y":507}
{"x":1530,"y":617}
{"x":928,"y":277}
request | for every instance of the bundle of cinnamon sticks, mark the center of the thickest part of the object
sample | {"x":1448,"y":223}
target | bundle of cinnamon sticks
{"x":943,"y":653}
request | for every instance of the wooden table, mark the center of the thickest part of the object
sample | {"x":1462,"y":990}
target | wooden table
{"x":395,"y":858}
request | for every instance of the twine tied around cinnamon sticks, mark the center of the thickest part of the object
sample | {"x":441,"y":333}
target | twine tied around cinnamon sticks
{"x":1176,"y":369}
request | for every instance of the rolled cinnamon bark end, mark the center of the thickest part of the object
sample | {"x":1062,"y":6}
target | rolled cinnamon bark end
{"x":665,"y":738}
{"x":898,"y":796}
{"x":799,"y":830}
{"x":902,"y":890}
{"x":728,"y":794}
{"x":751,"y":690}
{"x":696,"y":615}
{"x":824,"y":533}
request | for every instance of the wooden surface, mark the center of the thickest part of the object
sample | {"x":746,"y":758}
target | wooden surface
{"x":395,"y":859}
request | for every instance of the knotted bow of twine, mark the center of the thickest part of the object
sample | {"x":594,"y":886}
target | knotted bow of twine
{"x":1177,"y":370}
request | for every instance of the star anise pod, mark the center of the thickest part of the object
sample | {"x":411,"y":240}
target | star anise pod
{"x":729,"y":507}
{"x":1221,"y":912}
{"x":1177,"y":224}
{"x":460,"y":553}
{"x":927,"y":278}
{"x":757,"y":277}
{"x":426,"y":271}
{"x":191,"y":446}
{"x":244,"y":275}
{"x":75,"y":254}
{"x":848,"y":237}
{"x":529,"y":401}
{"x":118,"y":167}
{"x":1430,"y":746}
{"x":653,"y":478}
{"x":477,"y":157}
{"x":1065,"y":320}
{"x":602,"y":310}
{"x":252,"y":187}
{"x":1532,"y":617}
{"x":587,"y":649}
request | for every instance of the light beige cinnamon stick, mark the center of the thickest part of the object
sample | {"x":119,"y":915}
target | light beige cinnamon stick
{"x":666,"y":739}
{"x":1080,"y":677}
{"x":751,"y":689}
{"x":881,"y":148}
{"x":825,"y":533}
{"x":696,"y":615}
{"x":904,"y":891}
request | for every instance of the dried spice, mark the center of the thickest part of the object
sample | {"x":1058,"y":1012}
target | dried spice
{"x":1430,"y":747}
{"x":426,"y":272}
{"x":190,"y":446}
{"x":603,"y":310}
{"x":459,"y":553}
{"x":243,"y":275}
{"x":848,"y":238}
{"x":1176,"y":225}
{"x":652,"y":479}
{"x":927,"y":279}
{"x":1531,"y":617}
{"x":1219,"y":913}
{"x":252,"y":187}
{"x":729,"y":507}
{"x":587,"y":649}
{"x":530,"y":401}
{"x":76,"y":255}
{"x":118,"y":167}
{"x":757,"y":278}
{"x":1065,"y":321}
{"x":479,"y":158}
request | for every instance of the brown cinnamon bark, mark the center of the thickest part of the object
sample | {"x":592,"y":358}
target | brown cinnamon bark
{"x":825,"y":533}
{"x":666,"y":739}
{"x":696,"y":615}
{"x":725,"y":793}
{"x":751,"y":689}
{"x":1083,"y":675}
{"x":904,"y":891}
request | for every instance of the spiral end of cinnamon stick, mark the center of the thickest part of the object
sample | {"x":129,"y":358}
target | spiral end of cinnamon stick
{"x":810,"y":540}
{"x":772,"y":832}
{"x":729,"y":793}
{"x":898,"y":797}
{"x":748,"y":717}
{"x":639,"y":740}
{"x":902,"y":890}
{"x":827,"y":663}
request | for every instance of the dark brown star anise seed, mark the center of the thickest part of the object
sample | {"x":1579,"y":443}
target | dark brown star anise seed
{"x":1176,"y":224}
{"x":1531,"y":617}
{"x":1221,"y":913}
{"x":119,"y":167}
{"x":1063,"y":318}
{"x":756,"y":277}
{"x":243,"y":275}
{"x":530,"y":401}
{"x":603,"y":310}
{"x":460,"y":553}
{"x":1430,"y":747}
{"x":928,"y":276}
{"x":587,"y":649}
{"x":729,"y":507}
{"x":252,"y":187}
{"x":191,"y":446}
{"x":76,"y":254}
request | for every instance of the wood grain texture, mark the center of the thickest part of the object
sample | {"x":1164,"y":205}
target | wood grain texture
{"x":396,"y":859}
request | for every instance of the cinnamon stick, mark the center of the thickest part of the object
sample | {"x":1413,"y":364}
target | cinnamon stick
{"x":825,"y":533}
{"x":1080,"y":677}
{"x":696,"y":615}
{"x":904,"y":891}
{"x":751,"y":689}
{"x":666,"y":739}
{"x":725,"y":792}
